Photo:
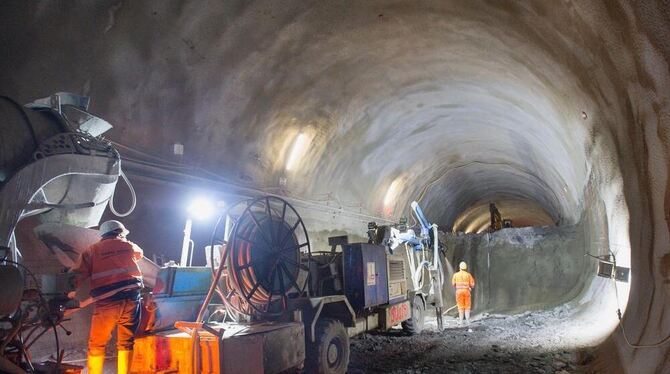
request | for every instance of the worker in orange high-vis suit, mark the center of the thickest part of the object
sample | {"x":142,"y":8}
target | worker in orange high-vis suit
{"x":116,"y":281}
{"x":463,"y":282}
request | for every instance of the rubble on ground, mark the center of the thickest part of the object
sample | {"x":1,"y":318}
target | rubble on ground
{"x":532,"y":342}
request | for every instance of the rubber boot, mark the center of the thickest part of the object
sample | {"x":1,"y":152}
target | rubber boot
{"x":123,"y":362}
{"x":95,"y":364}
{"x":467,"y":320}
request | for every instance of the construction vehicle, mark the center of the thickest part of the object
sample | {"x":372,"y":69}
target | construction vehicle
{"x":266,"y":304}
{"x":496,"y":218}
{"x":422,"y":253}
{"x":280,"y":305}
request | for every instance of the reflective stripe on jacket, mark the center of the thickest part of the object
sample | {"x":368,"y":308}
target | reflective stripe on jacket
{"x":109,"y":263}
{"x":463,"y":280}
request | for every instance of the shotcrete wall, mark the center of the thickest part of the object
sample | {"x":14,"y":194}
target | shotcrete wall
{"x":521,"y":269}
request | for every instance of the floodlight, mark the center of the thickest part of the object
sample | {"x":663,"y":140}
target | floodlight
{"x":201,"y":208}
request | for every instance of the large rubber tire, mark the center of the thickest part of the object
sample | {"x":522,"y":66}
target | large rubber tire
{"x":329,"y":354}
{"x":414,"y":325}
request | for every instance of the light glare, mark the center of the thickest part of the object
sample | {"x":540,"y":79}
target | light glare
{"x":392,"y":192}
{"x":201,"y":208}
{"x":297,"y":152}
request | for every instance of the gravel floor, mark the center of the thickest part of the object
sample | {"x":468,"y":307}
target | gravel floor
{"x":537,"y":342}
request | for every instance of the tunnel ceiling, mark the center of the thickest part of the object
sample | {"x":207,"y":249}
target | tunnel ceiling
{"x":459,"y":105}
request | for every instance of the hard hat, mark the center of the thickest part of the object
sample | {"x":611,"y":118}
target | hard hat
{"x":463,"y":265}
{"x":113,"y":225}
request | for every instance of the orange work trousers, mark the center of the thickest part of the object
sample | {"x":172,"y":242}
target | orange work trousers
{"x":124,"y":315}
{"x":463,"y":299}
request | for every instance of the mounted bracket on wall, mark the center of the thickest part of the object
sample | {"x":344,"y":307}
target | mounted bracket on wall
{"x":609,"y":270}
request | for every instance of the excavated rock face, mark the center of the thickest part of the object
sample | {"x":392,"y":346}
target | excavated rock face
{"x":557,"y":110}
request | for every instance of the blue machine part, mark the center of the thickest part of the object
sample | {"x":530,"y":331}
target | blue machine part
{"x":177,"y":296}
{"x":410,"y":238}
{"x":425,"y":225}
{"x":183,"y":281}
{"x":365,"y":275}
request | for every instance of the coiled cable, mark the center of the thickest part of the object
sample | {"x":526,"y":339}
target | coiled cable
{"x":132,"y":195}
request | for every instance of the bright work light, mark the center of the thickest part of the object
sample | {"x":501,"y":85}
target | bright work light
{"x":201,"y":208}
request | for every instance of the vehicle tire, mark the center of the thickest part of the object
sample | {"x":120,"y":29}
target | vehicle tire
{"x":329,"y":354}
{"x":414,"y":325}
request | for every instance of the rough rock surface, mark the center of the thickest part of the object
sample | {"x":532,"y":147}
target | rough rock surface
{"x":534,"y":342}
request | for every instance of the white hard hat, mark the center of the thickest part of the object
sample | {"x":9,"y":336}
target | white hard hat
{"x":462,"y":265}
{"x":113,"y":225}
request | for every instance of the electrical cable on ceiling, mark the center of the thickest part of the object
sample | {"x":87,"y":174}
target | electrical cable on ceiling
{"x":162,"y":163}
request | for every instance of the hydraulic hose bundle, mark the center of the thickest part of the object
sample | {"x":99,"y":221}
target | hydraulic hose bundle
{"x":264,"y":258}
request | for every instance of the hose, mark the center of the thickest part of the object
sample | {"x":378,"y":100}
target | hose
{"x":59,"y":357}
{"x":244,"y":294}
{"x":41,"y":303}
{"x":132,"y":194}
{"x":623,"y":330}
{"x":215,"y":280}
{"x":25,"y":118}
{"x":619,"y":314}
{"x":229,"y":309}
{"x":246,"y":279}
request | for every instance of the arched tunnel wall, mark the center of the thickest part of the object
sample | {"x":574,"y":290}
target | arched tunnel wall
{"x":562,"y":105}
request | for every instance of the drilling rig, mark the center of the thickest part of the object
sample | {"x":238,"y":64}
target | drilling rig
{"x":276,"y":304}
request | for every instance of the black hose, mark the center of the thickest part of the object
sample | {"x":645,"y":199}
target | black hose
{"x":21,"y":110}
{"x":42,"y":304}
{"x":58,"y":356}
{"x":24,"y":267}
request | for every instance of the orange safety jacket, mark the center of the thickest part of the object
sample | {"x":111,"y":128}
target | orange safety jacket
{"x":111,"y":264}
{"x":463,"y":280}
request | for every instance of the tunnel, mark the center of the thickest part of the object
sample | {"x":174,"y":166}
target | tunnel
{"x":556,"y":112}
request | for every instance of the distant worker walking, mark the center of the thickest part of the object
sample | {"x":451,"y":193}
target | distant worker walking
{"x":463,"y":283}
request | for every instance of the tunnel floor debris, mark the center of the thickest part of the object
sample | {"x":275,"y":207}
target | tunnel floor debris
{"x":532,"y":342}
{"x":539,"y":342}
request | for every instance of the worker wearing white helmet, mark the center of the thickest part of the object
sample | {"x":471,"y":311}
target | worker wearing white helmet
{"x":116,"y":281}
{"x":463,"y":282}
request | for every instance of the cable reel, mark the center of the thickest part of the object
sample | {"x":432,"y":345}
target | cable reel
{"x":266,"y":258}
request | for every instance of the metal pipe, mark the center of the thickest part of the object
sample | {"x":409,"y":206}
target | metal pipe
{"x":186,"y":243}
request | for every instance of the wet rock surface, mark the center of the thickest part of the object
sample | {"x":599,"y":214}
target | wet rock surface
{"x":526,"y":343}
